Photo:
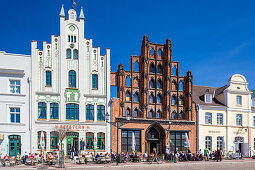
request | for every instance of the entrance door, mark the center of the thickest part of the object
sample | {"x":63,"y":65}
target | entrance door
{"x":72,"y":140}
{"x":153,"y":145}
{"x":14,"y":145}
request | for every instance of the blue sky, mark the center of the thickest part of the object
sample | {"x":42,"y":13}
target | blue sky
{"x":213,"y":39}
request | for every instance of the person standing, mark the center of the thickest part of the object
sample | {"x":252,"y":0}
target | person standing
{"x":167,"y":153}
{"x":218,"y":154}
{"x":175,"y":155}
{"x":72,"y":152}
{"x":206,"y":154}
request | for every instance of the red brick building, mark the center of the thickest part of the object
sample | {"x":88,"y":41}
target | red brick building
{"x":158,"y":100}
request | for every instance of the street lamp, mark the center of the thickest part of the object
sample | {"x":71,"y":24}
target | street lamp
{"x":116,"y":124}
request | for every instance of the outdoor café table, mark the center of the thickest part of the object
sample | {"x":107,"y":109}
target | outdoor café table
{"x":88,"y":159}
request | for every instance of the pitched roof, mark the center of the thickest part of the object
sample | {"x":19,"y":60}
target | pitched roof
{"x":200,"y":91}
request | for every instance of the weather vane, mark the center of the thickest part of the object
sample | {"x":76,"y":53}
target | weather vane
{"x":74,"y":3}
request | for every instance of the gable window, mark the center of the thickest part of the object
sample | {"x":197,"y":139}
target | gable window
{"x":239,"y":119}
{"x":68,"y":53}
{"x":75,"y":54}
{"x":159,"y":70}
{"x":72,"y":111}
{"x":54,"y":111}
{"x":128,"y":96}
{"x":173,"y":101}
{"x":127,"y":112}
{"x":48,"y":78}
{"x":42,"y":114}
{"x":219,"y":119}
{"x":72,"y":78}
{"x":173,"y":115}
{"x":174,"y":71}
{"x":158,"y":114}
{"x":239,"y":100}
{"x":159,"y":84}
{"x":15,"y":115}
{"x":208,"y":98}
{"x":208,"y":142}
{"x":90,"y":112}
{"x":136,"y":66}
{"x":152,"y":83}
{"x":94,"y":81}
{"x":152,"y":68}
{"x":208,"y":118}
{"x":181,"y":86}
{"x":136,"y":97}
{"x":158,"y":98}
{"x":15,"y":86}
{"x":151,"y":98}
{"x":135,"y":112}
{"x":150,"y":113}
{"x":100,"y":113}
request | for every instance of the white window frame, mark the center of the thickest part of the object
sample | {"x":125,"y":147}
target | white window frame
{"x":15,"y":113}
{"x":208,"y":96}
{"x":239,"y":122}
{"x":239,"y":100}
{"x":208,"y":143}
{"x":254,"y":121}
{"x":206,"y":118}
{"x":14,"y":86}
{"x":220,"y":119}
{"x":220,"y":142}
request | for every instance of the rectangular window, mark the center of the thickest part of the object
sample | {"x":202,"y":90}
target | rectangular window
{"x":75,"y":39}
{"x":15,"y":86}
{"x":95,"y":57}
{"x":220,"y":142}
{"x":253,"y":102}
{"x":177,"y":139}
{"x":15,"y":115}
{"x":89,"y":140}
{"x":48,"y":78}
{"x":69,"y":39}
{"x":94,"y":81}
{"x":239,"y":119}
{"x":87,"y":48}
{"x":56,"y":46}
{"x":208,"y":98}
{"x":53,"y":140}
{"x":254,"y":121}
{"x":239,"y":100}
{"x":219,"y":119}
{"x":48,"y":52}
{"x":208,"y":142}
{"x":254,"y":144}
{"x":208,"y":118}
{"x":131,"y":140}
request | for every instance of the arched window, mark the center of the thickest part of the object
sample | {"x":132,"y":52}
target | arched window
{"x":94,"y":81}
{"x":135,"y":112}
{"x":181,"y":86}
{"x":180,"y":100}
{"x":159,"y":84}
{"x":159,"y":69}
{"x":75,"y":54}
{"x":158,"y":98}
{"x":42,"y":110}
{"x":72,"y":111}
{"x":54,"y":111}
{"x":39,"y":134}
{"x":159,"y":52}
{"x":54,"y":140}
{"x":90,"y":112}
{"x":174,"y":71}
{"x":128,"y":96}
{"x":151,"y":98}
{"x":180,"y":115}
{"x":68,"y":53}
{"x":152,"y":68}
{"x":136,"y":66}
{"x":150,"y":113}
{"x":158,"y":114}
{"x":127,"y":113}
{"x":128,"y":81}
{"x":89,"y":140}
{"x":101,"y":141}
{"x":152,"y":84}
{"x":173,"y":101}
{"x":152,"y":51}
{"x":136,"y":97}
{"x":72,"y":78}
{"x":173,"y":115}
{"x":174,"y":85}
{"x":100,"y":112}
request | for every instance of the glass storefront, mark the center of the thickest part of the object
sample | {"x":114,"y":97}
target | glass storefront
{"x":131,"y":140}
{"x":178,"y":141}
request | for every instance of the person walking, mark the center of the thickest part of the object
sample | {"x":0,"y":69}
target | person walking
{"x":218,"y":154}
{"x":72,"y":152}
{"x":175,"y":155}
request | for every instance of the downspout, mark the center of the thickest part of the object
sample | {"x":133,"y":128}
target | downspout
{"x":29,"y":113}
{"x":197,"y":110}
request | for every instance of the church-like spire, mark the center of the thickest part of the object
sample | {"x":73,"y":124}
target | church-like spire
{"x":81,"y":14}
{"x":62,"y":12}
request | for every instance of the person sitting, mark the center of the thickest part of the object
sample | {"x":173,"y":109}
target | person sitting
{"x":31,"y":155}
{"x":97,"y":156}
{"x":6,"y":158}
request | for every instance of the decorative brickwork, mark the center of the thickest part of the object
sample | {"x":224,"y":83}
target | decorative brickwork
{"x":155,"y":96}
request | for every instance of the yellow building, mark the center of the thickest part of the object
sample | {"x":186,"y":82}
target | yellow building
{"x":226,"y":117}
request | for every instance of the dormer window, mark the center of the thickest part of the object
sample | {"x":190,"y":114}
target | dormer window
{"x":208,"y":98}
{"x":239,"y":100}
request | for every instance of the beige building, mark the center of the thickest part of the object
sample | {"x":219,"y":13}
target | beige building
{"x":226,"y":118}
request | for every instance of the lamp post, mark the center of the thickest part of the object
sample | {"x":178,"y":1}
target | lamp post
{"x":116,"y":124}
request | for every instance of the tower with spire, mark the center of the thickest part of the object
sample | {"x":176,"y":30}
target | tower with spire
{"x":71,"y":88}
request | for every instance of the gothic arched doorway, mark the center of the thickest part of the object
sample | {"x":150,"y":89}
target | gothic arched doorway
{"x":155,"y":137}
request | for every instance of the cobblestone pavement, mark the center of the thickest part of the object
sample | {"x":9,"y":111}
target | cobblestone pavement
{"x":245,"y":164}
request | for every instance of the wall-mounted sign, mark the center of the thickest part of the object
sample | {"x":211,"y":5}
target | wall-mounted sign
{"x":73,"y":127}
{"x":72,"y":95}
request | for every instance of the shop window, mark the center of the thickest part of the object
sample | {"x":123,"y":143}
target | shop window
{"x":53,"y":140}
{"x":72,"y":111}
{"x":131,"y":141}
{"x":90,"y":112}
{"x":42,"y":110}
{"x":100,"y":113}
{"x":89,"y":140}
{"x":101,"y":141}
{"x":177,"y":141}
{"x":39,"y":139}
{"x":54,"y":111}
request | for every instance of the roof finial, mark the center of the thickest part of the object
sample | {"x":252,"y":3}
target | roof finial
{"x":81,"y":14}
{"x":62,"y":12}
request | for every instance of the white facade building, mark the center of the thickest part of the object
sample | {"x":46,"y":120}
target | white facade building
{"x":14,"y":103}
{"x":70,"y":87}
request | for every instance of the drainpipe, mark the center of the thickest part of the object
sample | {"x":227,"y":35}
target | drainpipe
{"x":29,"y":113}
{"x":197,"y":110}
